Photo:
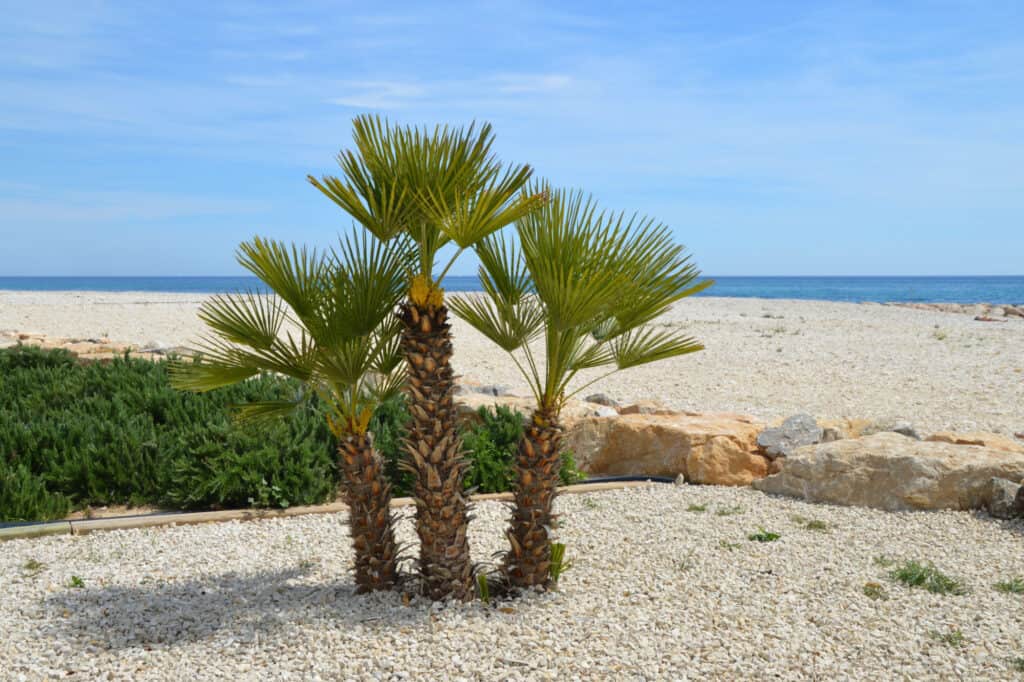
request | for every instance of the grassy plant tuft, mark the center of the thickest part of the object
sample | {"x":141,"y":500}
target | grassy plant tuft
{"x":953,"y":638}
{"x":728,"y":511}
{"x":1011,"y":586}
{"x":763,"y":535}
{"x":697,"y":508}
{"x":928,"y":577}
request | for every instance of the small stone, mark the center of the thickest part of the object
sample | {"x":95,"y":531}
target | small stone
{"x":795,"y":432}
{"x":1003,"y":496}
{"x":903,"y":428}
{"x":602,"y":399}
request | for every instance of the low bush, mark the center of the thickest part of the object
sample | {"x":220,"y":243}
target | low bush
{"x":76,"y":435}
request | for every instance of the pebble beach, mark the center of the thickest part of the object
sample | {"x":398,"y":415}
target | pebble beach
{"x":669,"y":582}
{"x":768,"y":358}
{"x":666,"y":584}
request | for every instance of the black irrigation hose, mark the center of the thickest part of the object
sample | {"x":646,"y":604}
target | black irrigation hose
{"x":627,"y":479}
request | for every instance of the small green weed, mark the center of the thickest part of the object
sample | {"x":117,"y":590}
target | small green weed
{"x":883,"y":561}
{"x":927,"y":576}
{"x":952,"y":638}
{"x":76,"y":582}
{"x":483,"y":588}
{"x":590,"y":502}
{"x":729,"y":545}
{"x":940,"y":335}
{"x":1017,"y":664}
{"x":697,"y":508}
{"x":33,"y":565}
{"x":763,"y":535}
{"x":1011,"y":586}
{"x":810,"y":524}
{"x":559,"y":565}
{"x":728,"y":511}
{"x":875,"y":591}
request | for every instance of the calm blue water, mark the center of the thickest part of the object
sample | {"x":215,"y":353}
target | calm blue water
{"x":879,"y":289}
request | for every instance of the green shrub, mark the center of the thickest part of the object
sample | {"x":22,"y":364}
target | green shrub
{"x":491,"y":443}
{"x":99,"y":434}
{"x":568,"y":474}
{"x":75,"y":435}
{"x":24,"y":497}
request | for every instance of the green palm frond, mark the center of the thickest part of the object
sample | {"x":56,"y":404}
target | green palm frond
{"x":508,"y":325}
{"x":202,"y":376}
{"x":644,"y":344}
{"x":503,"y":273}
{"x":264,"y":411}
{"x":433,"y":185}
{"x":250,"y":319}
{"x":294,"y":274}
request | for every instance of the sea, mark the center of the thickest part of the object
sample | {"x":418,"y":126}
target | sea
{"x":989,"y":289}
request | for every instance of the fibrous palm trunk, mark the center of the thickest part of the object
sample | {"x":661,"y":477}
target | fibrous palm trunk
{"x":537,"y":468}
{"x":368,"y":496}
{"x":435,"y":453}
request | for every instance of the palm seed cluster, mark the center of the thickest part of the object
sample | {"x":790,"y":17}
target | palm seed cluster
{"x":571,"y":287}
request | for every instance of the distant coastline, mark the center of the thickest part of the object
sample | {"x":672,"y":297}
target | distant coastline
{"x":980,"y":289}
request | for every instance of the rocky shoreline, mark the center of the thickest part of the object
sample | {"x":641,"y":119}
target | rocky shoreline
{"x":978,"y":310}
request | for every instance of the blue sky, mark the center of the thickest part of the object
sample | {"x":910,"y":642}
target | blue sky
{"x":774,"y":137}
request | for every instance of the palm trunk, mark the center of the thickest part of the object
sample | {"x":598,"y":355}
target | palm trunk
{"x":435,"y":453}
{"x":537,"y":475}
{"x":368,"y":496}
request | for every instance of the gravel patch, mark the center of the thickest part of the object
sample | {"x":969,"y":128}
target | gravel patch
{"x":666,"y":585}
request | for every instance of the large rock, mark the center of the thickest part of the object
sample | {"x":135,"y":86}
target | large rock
{"x":893,"y":472}
{"x":795,"y":432}
{"x":708,"y":448}
{"x":647,"y":407}
{"x":982,"y":438}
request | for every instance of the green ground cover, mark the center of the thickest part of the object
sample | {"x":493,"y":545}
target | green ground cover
{"x":73,"y":436}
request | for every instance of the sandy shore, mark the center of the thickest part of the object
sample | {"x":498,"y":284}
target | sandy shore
{"x":768,"y":358}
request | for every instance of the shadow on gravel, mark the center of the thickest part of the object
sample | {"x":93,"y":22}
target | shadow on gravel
{"x":247,"y":606}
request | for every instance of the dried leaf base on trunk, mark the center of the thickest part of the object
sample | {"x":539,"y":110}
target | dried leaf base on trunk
{"x":538,"y":462}
{"x":368,"y":496}
{"x":435,"y":454}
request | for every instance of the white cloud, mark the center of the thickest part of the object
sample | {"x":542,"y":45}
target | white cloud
{"x":379,"y":94}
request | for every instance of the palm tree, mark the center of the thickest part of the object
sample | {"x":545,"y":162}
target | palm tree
{"x":437,"y":187}
{"x":584,"y":285}
{"x":329,"y":323}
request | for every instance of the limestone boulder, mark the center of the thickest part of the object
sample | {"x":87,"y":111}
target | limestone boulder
{"x":647,"y":407}
{"x":718,"y":449}
{"x":981,"y":438}
{"x":890,"y":471}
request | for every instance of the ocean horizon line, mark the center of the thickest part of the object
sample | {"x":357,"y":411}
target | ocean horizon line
{"x":994,"y":289}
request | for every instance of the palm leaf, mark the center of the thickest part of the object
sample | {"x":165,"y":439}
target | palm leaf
{"x":644,"y":344}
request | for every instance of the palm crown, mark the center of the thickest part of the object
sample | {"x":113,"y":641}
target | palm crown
{"x":328,"y":323}
{"x":437,"y":186}
{"x":587,"y":282}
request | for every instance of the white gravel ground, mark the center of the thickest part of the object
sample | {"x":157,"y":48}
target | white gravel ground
{"x":658,"y":591}
{"x":768,"y":358}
